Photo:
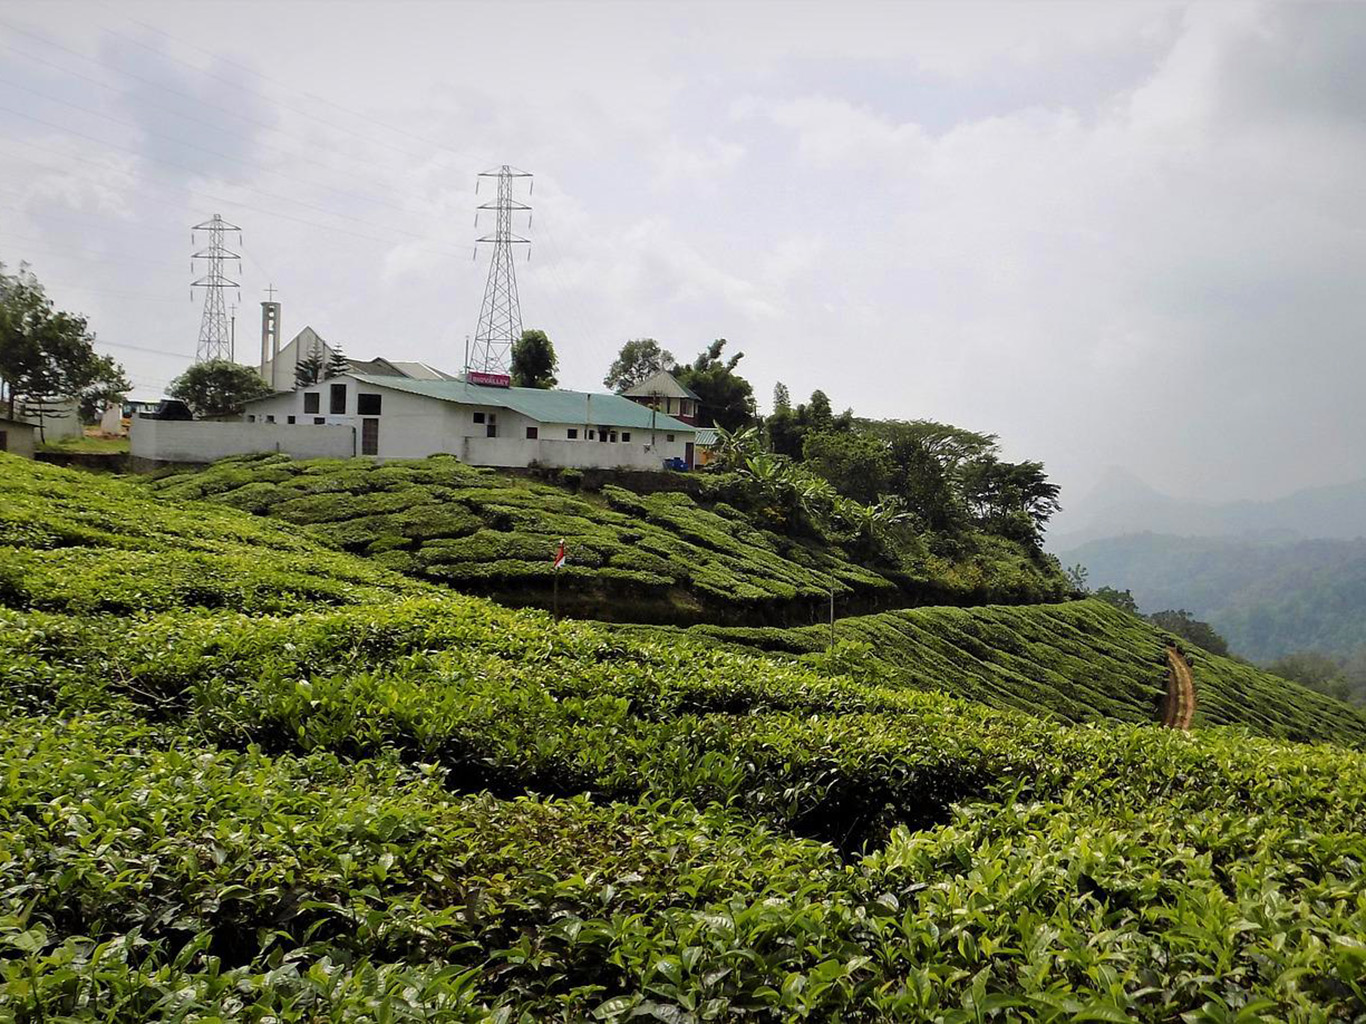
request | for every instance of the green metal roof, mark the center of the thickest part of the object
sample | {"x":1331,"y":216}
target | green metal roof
{"x":543,"y":406}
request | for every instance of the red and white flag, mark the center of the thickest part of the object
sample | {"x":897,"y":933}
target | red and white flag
{"x":559,"y":555}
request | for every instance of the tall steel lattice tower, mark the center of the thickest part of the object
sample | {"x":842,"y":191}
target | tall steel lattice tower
{"x":500,"y":317}
{"x":215,"y":332}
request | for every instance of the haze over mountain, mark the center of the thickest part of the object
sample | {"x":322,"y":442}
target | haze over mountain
{"x":1121,"y":503}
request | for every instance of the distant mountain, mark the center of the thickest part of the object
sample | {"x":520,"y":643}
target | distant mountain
{"x":1267,"y":598}
{"x":1123,"y":504}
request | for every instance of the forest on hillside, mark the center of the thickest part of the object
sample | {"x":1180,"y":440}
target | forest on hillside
{"x":1268,"y":599}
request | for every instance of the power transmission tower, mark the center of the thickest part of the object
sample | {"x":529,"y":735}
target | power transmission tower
{"x":215,"y":331}
{"x":500,"y":317}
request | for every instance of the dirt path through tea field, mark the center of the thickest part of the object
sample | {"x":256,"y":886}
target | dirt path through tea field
{"x":1180,"y":708}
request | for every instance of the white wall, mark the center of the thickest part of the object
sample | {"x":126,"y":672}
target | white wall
{"x":413,"y":426}
{"x":205,"y":441}
{"x":500,"y":451}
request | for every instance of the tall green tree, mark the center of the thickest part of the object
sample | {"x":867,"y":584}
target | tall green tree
{"x":1187,"y":626}
{"x":534,"y":361}
{"x":638,"y":360}
{"x":218,"y":387}
{"x":46,"y":354}
{"x":727,"y":398}
{"x":336,"y":364}
{"x":927,"y":459}
{"x":308,"y":370}
{"x":1013,"y":499}
{"x":856,"y":465}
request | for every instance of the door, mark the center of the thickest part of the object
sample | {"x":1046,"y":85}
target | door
{"x":369,"y":436}
{"x":688,"y":452}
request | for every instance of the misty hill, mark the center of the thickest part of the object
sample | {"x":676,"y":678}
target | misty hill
{"x":1267,"y":599}
{"x":1123,"y":504}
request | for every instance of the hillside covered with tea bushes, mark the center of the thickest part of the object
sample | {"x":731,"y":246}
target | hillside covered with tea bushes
{"x":719,"y":553}
{"x":1082,"y":661}
{"x":393,"y":802}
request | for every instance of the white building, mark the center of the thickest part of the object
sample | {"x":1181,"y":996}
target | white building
{"x":661,"y":390}
{"x":403,"y":417}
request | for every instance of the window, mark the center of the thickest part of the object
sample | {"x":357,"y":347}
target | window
{"x":337,"y":403}
{"x":479,"y":417}
{"x":311,"y":401}
{"x":251,"y":418}
{"x":602,"y":435}
{"x":572,"y":433}
{"x":291,"y":419}
{"x":668,"y":437}
{"x":492,"y":429}
{"x":614,"y":437}
{"x":368,"y":405}
{"x":270,"y":419}
{"x":626,"y":435}
{"x":533,"y":433}
{"x":592,"y":434}
{"x":318,"y":421}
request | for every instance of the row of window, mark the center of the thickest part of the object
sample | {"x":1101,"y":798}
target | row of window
{"x":318,"y":421}
{"x":532,"y":433}
{"x":366,"y":404}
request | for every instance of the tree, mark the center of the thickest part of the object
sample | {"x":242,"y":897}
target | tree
{"x":1078,"y":577}
{"x":46,"y":354}
{"x":218,"y":387}
{"x":782,"y":398}
{"x":534,"y":361}
{"x":1188,"y":627}
{"x":856,"y":465}
{"x":1013,"y":499}
{"x":1121,"y":599}
{"x":638,"y":360}
{"x":309,"y":370}
{"x":727,"y":399}
{"x":336,"y":365}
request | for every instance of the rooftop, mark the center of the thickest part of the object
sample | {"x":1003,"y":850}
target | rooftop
{"x":663,"y":383}
{"x":543,"y":405}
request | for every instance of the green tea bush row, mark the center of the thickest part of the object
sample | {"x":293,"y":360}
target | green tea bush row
{"x":441,"y":513}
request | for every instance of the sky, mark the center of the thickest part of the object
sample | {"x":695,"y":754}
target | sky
{"x":1119,"y":234}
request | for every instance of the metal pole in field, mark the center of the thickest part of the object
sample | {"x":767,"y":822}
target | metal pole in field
{"x":832,"y":615}
{"x":555,"y":584}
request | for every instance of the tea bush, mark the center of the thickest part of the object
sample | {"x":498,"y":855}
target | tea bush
{"x":416,"y":805}
{"x":1081,"y":661}
{"x":476,"y":530}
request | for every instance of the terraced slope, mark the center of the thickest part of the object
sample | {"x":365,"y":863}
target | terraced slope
{"x":407,"y":804}
{"x":1082,"y":661}
{"x":662,"y":557}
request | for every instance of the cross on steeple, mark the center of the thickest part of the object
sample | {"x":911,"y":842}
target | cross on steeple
{"x":270,"y":291}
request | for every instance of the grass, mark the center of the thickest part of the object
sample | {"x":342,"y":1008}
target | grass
{"x":87,"y":444}
{"x":404,"y":803}
{"x":668,"y":557}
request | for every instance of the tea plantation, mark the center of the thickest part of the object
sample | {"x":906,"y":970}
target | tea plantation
{"x":662,"y":557}
{"x":247,"y":777}
{"x":1082,"y":661}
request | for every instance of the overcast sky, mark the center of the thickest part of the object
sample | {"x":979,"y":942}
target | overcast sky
{"x":1113,"y":233}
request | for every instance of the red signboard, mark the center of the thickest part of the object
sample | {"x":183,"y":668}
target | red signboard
{"x":489,"y":380}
